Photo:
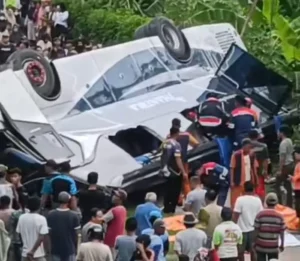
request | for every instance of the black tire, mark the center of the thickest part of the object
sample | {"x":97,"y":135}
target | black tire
{"x":38,"y":71}
{"x":171,"y":37}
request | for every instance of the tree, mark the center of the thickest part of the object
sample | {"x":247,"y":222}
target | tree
{"x":269,"y":28}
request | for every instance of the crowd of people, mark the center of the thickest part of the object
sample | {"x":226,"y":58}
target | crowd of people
{"x":41,"y":26}
{"x":224,"y":211}
{"x":67,"y":224}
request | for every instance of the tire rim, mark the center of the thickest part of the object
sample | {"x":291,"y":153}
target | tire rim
{"x":171,"y":36}
{"x":35,"y":72}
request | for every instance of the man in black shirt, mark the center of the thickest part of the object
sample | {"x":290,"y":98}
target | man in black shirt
{"x":91,"y":198}
{"x":175,"y":172}
{"x":6,"y":48}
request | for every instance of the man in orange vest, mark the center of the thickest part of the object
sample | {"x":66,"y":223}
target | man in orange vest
{"x":242,"y":121}
{"x":249,"y":103}
{"x":296,"y":182}
{"x":212,"y":115}
{"x":262,"y":155}
{"x":243,"y":167}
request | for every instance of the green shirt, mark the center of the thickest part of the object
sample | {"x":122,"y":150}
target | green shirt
{"x":227,"y":236}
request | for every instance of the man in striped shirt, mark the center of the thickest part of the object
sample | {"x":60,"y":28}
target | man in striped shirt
{"x":269,"y":226}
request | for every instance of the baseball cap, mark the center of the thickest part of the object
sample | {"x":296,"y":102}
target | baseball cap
{"x":64,"y":197}
{"x":189,"y":218}
{"x":151,"y":196}
{"x":159,"y":223}
{"x":155,"y":213}
{"x":97,"y":228}
{"x":120,"y":193}
{"x":271,"y":199}
{"x":3,"y":168}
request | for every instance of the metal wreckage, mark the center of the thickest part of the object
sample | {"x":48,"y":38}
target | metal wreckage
{"x":109,"y":110}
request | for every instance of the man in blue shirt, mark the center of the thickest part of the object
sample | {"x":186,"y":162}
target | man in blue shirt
{"x":155,"y":215}
{"x":142,"y":212}
{"x":51,"y":171}
{"x":62,"y":182}
{"x":156,"y":242}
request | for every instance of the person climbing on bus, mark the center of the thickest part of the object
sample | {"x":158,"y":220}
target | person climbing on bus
{"x":242,"y":121}
{"x":212,"y":116}
{"x":249,"y":104}
{"x":215,"y":176}
{"x":185,"y":139}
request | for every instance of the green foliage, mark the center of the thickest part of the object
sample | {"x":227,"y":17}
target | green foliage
{"x":290,"y":8}
{"x":217,"y":15}
{"x":110,"y":27}
{"x":272,"y":31}
{"x":99,"y":21}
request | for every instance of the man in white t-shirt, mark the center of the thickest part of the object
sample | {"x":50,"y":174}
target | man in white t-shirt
{"x":227,"y":237}
{"x":245,"y":210}
{"x":33,"y":228}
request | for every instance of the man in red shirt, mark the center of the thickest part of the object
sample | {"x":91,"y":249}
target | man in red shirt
{"x":115,"y":219}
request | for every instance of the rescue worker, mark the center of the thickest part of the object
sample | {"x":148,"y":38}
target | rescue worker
{"x":262,"y":155}
{"x":243,"y":167}
{"x":212,"y":116}
{"x":217,"y":178}
{"x":242,"y":121}
{"x":249,"y":103}
{"x":184,"y":139}
{"x":173,"y":169}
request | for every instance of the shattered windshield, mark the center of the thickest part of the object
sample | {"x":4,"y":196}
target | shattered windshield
{"x":252,"y":77}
